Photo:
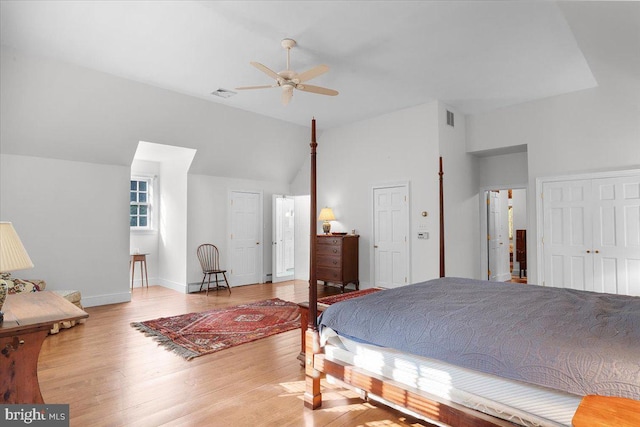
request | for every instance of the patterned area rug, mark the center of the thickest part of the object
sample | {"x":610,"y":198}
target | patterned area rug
{"x":195,"y":334}
{"x":348,"y":295}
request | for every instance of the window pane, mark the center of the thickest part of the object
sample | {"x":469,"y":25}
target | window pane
{"x":142,"y":186}
{"x":143,"y":221}
{"x":133,"y":210}
{"x":132,"y":196}
{"x":142,"y":197}
{"x":133,"y":222}
{"x":143,"y":210}
{"x":134,"y":185}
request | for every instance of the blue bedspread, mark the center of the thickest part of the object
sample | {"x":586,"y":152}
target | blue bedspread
{"x":575,"y":341}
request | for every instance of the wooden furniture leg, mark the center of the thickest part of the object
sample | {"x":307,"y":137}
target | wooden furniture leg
{"x":19,"y":367}
{"x":312,"y":395}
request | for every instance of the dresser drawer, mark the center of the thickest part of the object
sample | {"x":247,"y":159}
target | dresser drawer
{"x":330,"y":250}
{"x":335,"y":241}
{"x":329,"y":261}
{"x":329,"y":274}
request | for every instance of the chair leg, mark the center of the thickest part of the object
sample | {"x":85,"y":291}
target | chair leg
{"x":202,"y":284}
{"x":217,"y":283}
{"x":208,"y":285}
{"x":227,"y":282}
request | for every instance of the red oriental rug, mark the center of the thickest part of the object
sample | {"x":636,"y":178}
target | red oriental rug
{"x":195,"y":334}
{"x":347,"y":295}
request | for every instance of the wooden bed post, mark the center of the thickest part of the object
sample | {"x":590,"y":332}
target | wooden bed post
{"x":312,"y":396}
{"x":441,"y":173}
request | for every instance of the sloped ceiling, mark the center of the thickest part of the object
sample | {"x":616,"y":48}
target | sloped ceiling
{"x":383,"y":56}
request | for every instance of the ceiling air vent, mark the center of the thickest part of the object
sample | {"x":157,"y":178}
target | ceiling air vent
{"x":223,"y":93}
{"x":449,"y":118}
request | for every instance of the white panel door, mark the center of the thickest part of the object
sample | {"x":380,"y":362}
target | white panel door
{"x":616,"y":232}
{"x":567,"y":234}
{"x":498,"y":235}
{"x":592,"y":234}
{"x":283,"y":236}
{"x":390,"y":236}
{"x":245,"y":238}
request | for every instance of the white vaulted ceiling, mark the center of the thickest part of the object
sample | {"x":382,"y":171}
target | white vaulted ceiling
{"x":383,"y":55}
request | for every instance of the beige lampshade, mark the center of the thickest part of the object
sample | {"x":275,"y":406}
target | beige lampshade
{"x":13,"y":255}
{"x":326,"y":214}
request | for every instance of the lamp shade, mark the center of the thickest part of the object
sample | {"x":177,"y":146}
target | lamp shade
{"x":13,"y":255}
{"x":326,"y":214}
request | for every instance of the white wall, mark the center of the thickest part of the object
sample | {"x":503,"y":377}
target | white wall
{"x":460,"y":198}
{"x":396,"y":147}
{"x":208,"y":209}
{"x":591,"y":130}
{"x":172,"y":245}
{"x":60,"y":111}
{"x":73,"y":220}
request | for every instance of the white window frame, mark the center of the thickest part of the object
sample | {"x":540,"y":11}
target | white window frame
{"x":148,"y":203}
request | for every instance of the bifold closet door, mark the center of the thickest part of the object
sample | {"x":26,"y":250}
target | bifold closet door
{"x":592,"y":234}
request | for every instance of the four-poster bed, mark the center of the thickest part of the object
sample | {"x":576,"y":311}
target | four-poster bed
{"x":469,"y":364}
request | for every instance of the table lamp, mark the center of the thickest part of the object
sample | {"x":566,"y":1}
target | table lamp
{"x":13,"y":256}
{"x":326,"y":215}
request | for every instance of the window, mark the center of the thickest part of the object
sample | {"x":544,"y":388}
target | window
{"x":140,"y":203}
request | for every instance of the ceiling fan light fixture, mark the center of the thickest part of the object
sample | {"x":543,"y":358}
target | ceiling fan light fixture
{"x":287,"y":93}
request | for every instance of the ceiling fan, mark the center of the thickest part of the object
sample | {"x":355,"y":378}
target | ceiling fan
{"x":289,"y":79}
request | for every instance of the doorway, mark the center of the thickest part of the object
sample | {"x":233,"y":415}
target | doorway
{"x":283,"y":244}
{"x":503,"y":233}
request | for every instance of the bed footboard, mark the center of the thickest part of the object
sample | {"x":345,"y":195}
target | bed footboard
{"x":417,"y":401}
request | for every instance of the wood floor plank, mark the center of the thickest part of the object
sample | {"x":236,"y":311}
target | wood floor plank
{"x":111,"y":374}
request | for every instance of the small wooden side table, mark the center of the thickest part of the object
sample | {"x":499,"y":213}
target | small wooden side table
{"x":28,"y":319}
{"x":142,"y":259}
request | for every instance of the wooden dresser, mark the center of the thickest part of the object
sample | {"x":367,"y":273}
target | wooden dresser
{"x":337,"y":259}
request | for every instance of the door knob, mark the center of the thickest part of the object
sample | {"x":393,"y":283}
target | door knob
{"x":375,"y":246}
{"x":588,"y":252}
{"x":257,"y":243}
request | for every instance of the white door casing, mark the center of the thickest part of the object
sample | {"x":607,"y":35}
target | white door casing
{"x":390,"y":236}
{"x":591,"y":233}
{"x":245,"y":237}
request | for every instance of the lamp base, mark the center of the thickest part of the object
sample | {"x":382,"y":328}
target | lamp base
{"x":326,"y":227}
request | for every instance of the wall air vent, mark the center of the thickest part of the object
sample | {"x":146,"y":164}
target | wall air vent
{"x":449,"y":118}
{"x":223,"y":93}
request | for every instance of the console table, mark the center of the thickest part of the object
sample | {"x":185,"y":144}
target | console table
{"x":28,"y":318}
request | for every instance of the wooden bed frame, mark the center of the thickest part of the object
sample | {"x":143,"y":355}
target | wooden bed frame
{"x":593,"y":410}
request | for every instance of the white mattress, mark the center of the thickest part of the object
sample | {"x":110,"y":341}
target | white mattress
{"x":518,"y":402}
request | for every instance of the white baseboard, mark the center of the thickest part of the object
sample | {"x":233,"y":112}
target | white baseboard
{"x":179,"y":287}
{"x":93,"y":301}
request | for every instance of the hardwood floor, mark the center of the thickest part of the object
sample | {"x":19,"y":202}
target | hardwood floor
{"x":113,"y":375}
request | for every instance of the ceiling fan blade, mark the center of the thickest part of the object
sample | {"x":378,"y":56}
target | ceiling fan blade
{"x":287,"y":94}
{"x":269,"y":72}
{"x":317,"y":89}
{"x":313,"y":73}
{"x":256,"y":87}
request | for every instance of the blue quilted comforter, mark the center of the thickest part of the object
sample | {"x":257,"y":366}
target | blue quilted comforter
{"x":575,"y":341}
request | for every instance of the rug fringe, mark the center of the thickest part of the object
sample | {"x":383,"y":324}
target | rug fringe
{"x":164,"y":341}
